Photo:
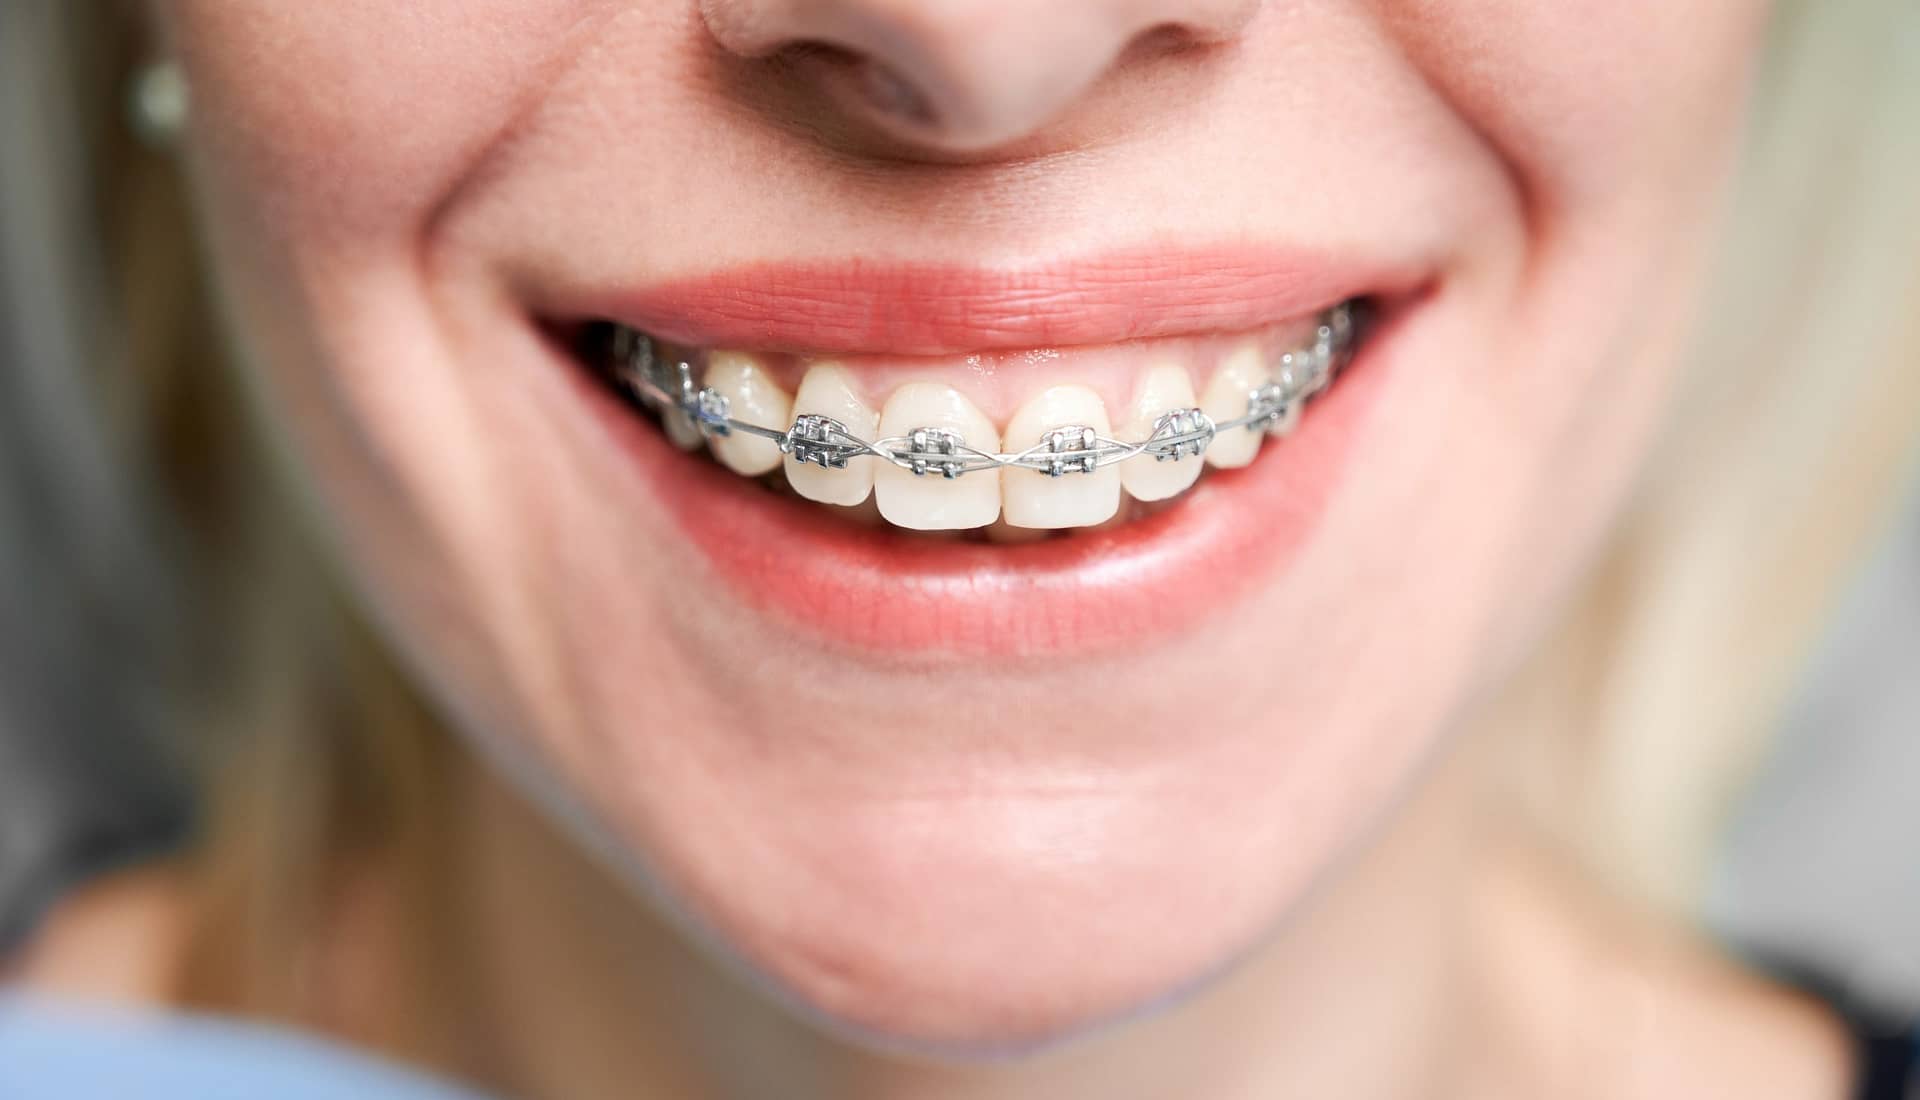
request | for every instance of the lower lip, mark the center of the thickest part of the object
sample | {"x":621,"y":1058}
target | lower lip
{"x":882,"y":589}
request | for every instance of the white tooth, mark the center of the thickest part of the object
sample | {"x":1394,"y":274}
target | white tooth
{"x":753,"y":398}
{"x":1162,"y":390}
{"x":827,"y":390}
{"x":681,"y":430}
{"x":1073,"y":499}
{"x":931,"y":502}
{"x":1226,"y":399}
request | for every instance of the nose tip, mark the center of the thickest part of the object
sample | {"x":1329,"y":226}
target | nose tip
{"x":967,"y":75}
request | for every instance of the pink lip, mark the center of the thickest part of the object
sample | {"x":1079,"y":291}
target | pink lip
{"x":883,"y":589}
{"x":920,"y":309}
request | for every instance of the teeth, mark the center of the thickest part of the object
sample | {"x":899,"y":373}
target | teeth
{"x":681,"y":430}
{"x":1162,"y":390}
{"x":1075,"y":498}
{"x":828,"y":391}
{"x":930,"y":501}
{"x":930,"y":460}
{"x":1244,"y":371}
{"x":752,"y":398}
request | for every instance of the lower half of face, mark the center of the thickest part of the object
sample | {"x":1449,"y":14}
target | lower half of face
{"x":984,"y":589}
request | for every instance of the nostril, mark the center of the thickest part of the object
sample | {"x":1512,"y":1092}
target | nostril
{"x":890,"y":93}
{"x":1166,"y":38}
{"x":877,"y":85}
{"x":961,"y":78}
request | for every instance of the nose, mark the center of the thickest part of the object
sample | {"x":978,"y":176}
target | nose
{"x":968,"y":75}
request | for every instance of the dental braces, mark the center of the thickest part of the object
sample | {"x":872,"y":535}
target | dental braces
{"x":665,"y":382}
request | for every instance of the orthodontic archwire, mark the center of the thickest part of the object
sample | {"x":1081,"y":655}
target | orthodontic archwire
{"x":663,"y":382}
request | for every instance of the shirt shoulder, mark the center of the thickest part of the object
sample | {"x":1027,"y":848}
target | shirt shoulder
{"x":52,"y":1049}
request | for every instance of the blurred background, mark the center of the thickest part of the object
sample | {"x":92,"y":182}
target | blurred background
{"x":1813,"y":854}
{"x":90,"y":614}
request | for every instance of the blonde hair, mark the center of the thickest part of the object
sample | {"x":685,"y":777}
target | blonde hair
{"x":1781,"y":464}
{"x":1659,"y":682}
{"x":313,"y":754}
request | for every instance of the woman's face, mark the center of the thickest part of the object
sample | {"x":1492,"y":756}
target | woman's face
{"x":994,"y":784}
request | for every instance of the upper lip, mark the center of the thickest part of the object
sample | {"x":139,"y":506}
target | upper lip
{"x":871,"y":308}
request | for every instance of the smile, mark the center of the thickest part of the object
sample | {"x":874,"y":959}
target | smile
{"x":1018,"y":499}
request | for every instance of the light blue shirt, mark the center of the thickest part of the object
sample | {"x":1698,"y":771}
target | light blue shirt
{"x":61,"y":1051}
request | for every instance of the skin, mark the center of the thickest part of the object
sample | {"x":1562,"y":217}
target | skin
{"x":1027,"y":868}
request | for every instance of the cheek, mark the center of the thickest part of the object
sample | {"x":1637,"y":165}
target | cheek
{"x":1616,"y":127}
{"x":1585,"y":100}
{"x":324,"y":140}
{"x":348,"y":122}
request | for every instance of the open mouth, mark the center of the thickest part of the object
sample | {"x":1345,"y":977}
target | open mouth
{"x":927,"y":456}
{"x":1019,"y":500}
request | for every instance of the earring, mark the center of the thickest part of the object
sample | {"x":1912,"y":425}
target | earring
{"x":157,"y":103}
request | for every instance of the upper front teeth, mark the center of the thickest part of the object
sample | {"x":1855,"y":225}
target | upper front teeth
{"x":1063,"y":425}
{"x":1164,"y":408}
{"x":938,"y":436}
{"x":826,"y":446}
{"x":934,"y":461}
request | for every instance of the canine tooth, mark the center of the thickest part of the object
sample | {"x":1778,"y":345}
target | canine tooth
{"x":753,"y":398}
{"x":1063,"y":420}
{"x":932,"y":501}
{"x":1162,"y":390}
{"x":1244,"y":371}
{"x":827,"y":390}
